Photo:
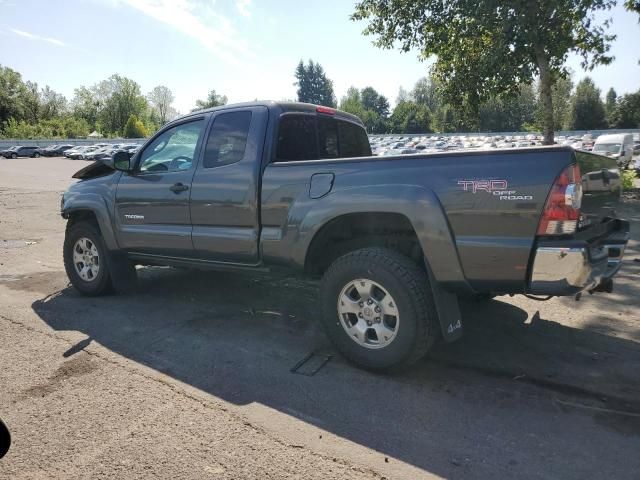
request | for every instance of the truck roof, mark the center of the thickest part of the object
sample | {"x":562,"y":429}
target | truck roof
{"x":283,"y":107}
{"x":612,"y":137}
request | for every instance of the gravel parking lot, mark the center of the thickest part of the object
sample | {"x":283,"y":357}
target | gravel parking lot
{"x":190,"y":376}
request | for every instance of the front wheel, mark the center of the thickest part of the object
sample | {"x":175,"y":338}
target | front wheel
{"x":85,"y":260}
{"x":13,"y":155}
{"x":377,"y":308}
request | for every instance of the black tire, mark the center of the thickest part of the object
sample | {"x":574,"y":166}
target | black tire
{"x":101,"y":284}
{"x":406,"y":283}
{"x":36,"y":155}
{"x":13,"y":155}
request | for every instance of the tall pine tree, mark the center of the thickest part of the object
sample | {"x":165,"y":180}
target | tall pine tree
{"x":313,"y":84}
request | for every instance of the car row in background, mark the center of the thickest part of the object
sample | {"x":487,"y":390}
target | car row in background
{"x":99,"y":151}
{"x":620,"y":146}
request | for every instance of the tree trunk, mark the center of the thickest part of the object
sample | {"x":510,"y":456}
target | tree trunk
{"x":545,"y":95}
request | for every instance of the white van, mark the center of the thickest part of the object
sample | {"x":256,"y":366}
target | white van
{"x":617,"y":145}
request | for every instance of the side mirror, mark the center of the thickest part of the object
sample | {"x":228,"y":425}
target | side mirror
{"x":122,"y":161}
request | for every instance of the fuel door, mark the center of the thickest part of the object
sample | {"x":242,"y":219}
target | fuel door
{"x":321,"y":184}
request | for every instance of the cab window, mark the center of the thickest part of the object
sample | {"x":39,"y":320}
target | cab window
{"x":173,"y":150}
{"x":227,"y":140}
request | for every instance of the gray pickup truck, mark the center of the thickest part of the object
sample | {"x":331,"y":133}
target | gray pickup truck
{"x":397,"y":240}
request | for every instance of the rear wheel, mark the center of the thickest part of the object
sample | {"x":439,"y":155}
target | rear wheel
{"x":85,"y":259}
{"x":36,"y":155}
{"x":377,"y":308}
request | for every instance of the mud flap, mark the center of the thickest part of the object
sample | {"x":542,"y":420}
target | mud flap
{"x":448,"y":310}
{"x":123,"y":273}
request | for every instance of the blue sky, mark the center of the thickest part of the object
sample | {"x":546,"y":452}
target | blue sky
{"x":245,"y":49}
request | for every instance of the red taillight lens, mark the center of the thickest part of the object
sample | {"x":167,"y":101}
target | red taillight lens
{"x":562,"y":210}
{"x":327,"y":110}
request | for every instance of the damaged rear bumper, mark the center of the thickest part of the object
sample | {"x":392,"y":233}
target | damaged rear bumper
{"x":563,"y":267}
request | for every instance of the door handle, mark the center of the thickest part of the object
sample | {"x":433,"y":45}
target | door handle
{"x":178,"y":187}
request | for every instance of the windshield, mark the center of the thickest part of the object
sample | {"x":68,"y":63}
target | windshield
{"x":607,"y":148}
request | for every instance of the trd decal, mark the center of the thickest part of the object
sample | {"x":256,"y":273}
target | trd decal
{"x":486,"y":185}
{"x":497,"y":188}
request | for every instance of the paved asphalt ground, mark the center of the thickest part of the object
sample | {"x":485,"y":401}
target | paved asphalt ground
{"x":189,"y":377}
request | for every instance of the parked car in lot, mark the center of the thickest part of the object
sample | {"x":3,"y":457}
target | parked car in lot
{"x":8,"y":151}
{"x":43,"y":150}
{"x":272,"y":187}
{"x":21,"y":151}
{"x":104,"y":153}
{"x":80,"y":152}
{"x":98,"y":151}
{"x":74,"y":150}
{"x":56,"y":150}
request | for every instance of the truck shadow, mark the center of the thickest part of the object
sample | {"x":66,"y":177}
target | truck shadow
{"x":237,"y":337}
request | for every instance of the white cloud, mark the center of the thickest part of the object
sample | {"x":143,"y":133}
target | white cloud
{"x":33,"y":36}
{"x":199,"y":21}
{"x":243,"y":7}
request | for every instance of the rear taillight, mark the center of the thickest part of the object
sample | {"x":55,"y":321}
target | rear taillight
{"x":562,"y":210}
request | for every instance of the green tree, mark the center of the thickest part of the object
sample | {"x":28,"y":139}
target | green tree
{"x":52,"y":104}
{"x":561,"y":96}
{"x":212,"y":100}
{"x":587,"y":109}
{"x":627,"y":113}
{"x":12,"y":91}
{"x":367,"y":104}
{"x":403,"y":96}
{"x":134,"y":128}
{"x":352,"y":102}
{"x":610,"y":106}
{"x":410,"y":117}
{"x":313,"y":84}
{"x":118,"y":98}
{"x":425,"y":92}
{"x":491,"y":47}
{"x":31,"y":101}
{"x":509,"y":113}
{"x":161,"y":99}
{"x":85,"y":105}
{"x":372,"y":100}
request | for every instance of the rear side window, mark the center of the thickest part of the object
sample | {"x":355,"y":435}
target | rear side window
{"x":353,"y":140}
{"x":227,"y":140}
{"x":297,"y":138}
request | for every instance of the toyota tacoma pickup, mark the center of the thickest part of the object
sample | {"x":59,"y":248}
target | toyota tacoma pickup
{"x":396,"y":240}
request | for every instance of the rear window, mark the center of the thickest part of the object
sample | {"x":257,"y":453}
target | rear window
{"x":353,"y":140}
{"x":313,"y":137}
{"x":328,"y":137}
{"x":297,"y":138}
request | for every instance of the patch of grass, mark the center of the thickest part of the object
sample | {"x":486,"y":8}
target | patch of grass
{"x":628,"y":179}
